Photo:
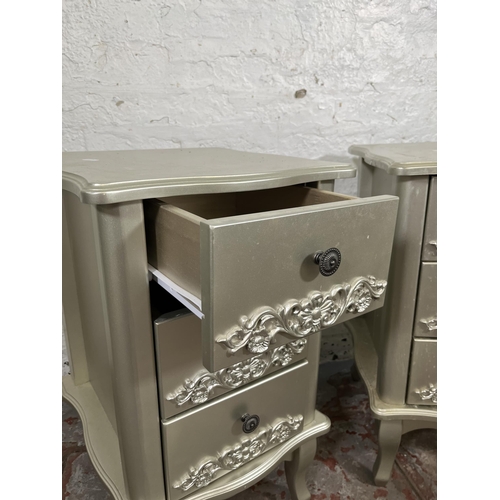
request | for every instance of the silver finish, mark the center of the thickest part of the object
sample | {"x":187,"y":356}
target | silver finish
{"x":296,"y":470}
{"x":283,"y":355}
{"x":101,"y":440}
{"x":392,"y":327}
{"x":428,"y":393}
{"x":400,"y":159}
{"x":300,"y":318}
{"x":265,"y":234}
{"x":429,"y":249}
{"x":197,"y":435}
{"x":297,"y":452}
{"x":201,"y":387}
{"x":426,"y":308}
{"x":109,"y":328}
{"x":279,"y":263}
{"x":121,"y":247}
{"x":178,"y":349}
{"x":241,"y":453}
{"x":392,"y":359}
{"x":114,"y":384}
{"x":103,"y":177}
{"x":395,"y":420}
{"x":422,"y":380}
{"x":389,"y":437}
{"x":73,"y":330}
{"x":430,"y":323}
{"x":367,"y":361}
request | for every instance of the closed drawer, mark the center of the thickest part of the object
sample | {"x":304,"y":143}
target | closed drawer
{"x":249,"y":257}
{"x":184,"y":382}
{"x":426,"y":309}
{"x":208,"y":442}
{"x":429,"y":249}
{"x":422,"y":383}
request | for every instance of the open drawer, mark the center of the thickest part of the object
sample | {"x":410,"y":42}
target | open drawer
{"x":252,"y":259}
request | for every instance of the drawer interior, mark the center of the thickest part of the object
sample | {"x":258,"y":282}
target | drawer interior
{"x":214,"y":206}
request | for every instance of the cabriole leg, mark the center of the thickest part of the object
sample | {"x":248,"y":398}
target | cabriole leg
{"x":296,"y":470}
{"x":389,"y":438}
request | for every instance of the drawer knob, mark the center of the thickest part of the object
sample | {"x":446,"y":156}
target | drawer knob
{"x":328,"y":261}
{"x":250,"y":422}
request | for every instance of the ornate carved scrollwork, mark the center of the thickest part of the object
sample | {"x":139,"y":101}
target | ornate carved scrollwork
{"x":201,"y":388}
{"x":300,"y":318}
{"x":241,"y":454}
{"x":430,"y":393}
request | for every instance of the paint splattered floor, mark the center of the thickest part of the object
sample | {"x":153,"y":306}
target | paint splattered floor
{"x":340,"y":471}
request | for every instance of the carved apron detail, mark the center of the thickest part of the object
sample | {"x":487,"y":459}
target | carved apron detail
{"x":201,"y":388}
{"x":300,"y":318}
{"x":240,"y":454}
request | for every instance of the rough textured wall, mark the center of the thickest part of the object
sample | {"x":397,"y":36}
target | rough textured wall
{"x":296,"y":77}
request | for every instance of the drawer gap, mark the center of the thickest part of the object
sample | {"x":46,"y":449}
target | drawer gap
{"x":214,"y":206}
{"x":179,"y":294}
{"x":173,"y":230}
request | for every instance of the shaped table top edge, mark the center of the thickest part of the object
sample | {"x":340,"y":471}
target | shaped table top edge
{"x":399,"y":159}
{"x":104,"y":177}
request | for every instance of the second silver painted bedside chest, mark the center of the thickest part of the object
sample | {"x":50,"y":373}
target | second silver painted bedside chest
{"x":396,"y":347}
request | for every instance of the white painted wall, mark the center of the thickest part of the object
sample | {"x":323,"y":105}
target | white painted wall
{"x":162,"y":73}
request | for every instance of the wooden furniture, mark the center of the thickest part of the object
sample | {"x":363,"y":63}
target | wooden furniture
{"x":396,"y":347}
{"x":195,"y":285}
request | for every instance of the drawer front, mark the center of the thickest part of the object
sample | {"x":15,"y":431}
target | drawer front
{"x":208,"y":442}
{"x":422,"y":384}
{"x":259,"y":280}
{"x":255,"y":274}
{"x":426,"y":310}
{"x":429,"y":250}
{"x":184,"y":382}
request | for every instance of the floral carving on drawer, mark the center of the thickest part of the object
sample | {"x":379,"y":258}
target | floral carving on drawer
{"x":241,"y":454}
{"x":300,"y":318}
{"x":202,"y":387}
{"x":430,"y":323}
{"x":428,"y":394}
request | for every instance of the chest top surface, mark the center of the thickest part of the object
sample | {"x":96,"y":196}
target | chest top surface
{"x":419,"y":158}
{"x":102,"y":177}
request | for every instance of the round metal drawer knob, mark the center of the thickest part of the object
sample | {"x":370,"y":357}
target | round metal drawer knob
{"x":328,"y":261}
{"x":250,"y":422}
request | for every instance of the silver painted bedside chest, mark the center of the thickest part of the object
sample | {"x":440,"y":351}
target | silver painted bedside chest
{"x":195,"y":286}
{"x":396,"y":347}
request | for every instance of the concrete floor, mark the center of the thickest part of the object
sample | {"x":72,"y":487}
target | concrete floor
{"x":341,"y":469}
